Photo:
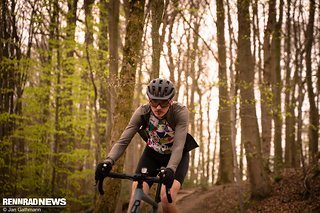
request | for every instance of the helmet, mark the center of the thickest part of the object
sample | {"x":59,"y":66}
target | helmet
{"x":160,"y":89}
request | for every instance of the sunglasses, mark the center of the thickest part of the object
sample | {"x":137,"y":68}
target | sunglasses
{"x":162,"y":103}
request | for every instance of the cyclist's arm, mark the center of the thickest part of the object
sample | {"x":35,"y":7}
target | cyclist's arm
{"x":180,"y":135}
{"x":120,"y":146}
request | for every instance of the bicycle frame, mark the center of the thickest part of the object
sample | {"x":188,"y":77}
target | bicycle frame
{"x":139,"y":196}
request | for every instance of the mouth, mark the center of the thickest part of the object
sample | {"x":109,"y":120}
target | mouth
{"x":159,"y":112}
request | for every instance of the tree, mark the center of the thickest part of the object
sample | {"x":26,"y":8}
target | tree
{"x":266,"y":93}
{"x":113,"y":29}
{"x":157,"y":8}
{"x":170,"y":61}
{"x":249,"y":126}
{"x":314,"y":111}
{"x":190,"y":72}
{"x":298,"y":25}
{"x":124,"y":100}
{"x":226,"y":158}
{"x":54,"y":38}
{"x":276,"y":85}
{"x":290,"y":143}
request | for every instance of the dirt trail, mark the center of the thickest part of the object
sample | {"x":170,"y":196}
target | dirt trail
{"x":216,"y":199}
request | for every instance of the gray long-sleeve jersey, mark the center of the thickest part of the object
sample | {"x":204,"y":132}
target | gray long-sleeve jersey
{"x":177,"y":117}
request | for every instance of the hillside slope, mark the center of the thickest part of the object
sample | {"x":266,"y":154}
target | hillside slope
{"x":288,"y":195}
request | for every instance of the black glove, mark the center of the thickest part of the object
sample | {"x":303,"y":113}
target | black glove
{"x":103,"y":170}
{"x":167,"y":176}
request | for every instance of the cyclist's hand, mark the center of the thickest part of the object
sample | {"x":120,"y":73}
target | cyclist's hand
{"x":103,"y":170}
{"x":167,"y":176}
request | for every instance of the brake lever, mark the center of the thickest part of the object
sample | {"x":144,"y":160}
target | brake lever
{"x":169,"y":198}
{"x":168,"y":193}
{"x":100,"y":186}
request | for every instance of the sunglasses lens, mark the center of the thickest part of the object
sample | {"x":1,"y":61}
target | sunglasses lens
{"x":162,"y":103}
{"x":165,"y":104}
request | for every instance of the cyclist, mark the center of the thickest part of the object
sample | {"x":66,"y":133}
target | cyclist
{"x":163,"y":124}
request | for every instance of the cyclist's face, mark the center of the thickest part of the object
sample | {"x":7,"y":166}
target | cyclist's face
{"x":160,"y":107}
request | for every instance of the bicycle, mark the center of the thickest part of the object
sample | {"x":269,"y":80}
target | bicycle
{"x":139,"y":194}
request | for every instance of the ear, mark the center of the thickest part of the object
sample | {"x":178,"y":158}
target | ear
{"x":171,"y":101}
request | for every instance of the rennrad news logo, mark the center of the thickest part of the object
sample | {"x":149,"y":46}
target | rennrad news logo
{"x":31,"y":204}
{"x":34,"y":202}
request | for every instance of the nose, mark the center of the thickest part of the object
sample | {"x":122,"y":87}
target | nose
{"x":159,"y":107}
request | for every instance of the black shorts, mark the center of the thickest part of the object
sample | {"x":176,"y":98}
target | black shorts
{"x":153,"y":161}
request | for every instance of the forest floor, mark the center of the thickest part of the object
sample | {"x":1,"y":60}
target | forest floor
{"x":288,"y":194}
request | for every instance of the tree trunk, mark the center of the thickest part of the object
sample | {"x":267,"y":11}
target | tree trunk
{"x":125,"y":90}
{"x":214,"y":152}
{"x":233,"y":109}
{"x":171,"y":65}
{"x":88,"y":4}
{"x":290,"y":143}
{"x":314,"y":111}
{"x":266,"y":94}
{"x":298,"y":65}
{"x":53,"y":30}
{"x":276,"y":91}
{"x":191,"y":72}
{"x":157,"y":7}
{"x":226,"y":157}
{"x":104,"y":103}
{"x":249,"y":125}
{"x":113,"y":24}
{"x":204,"y":180}
{"x":210,"y":168}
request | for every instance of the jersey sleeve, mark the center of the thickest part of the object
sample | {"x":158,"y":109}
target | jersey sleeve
{"x":132,"y":128}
